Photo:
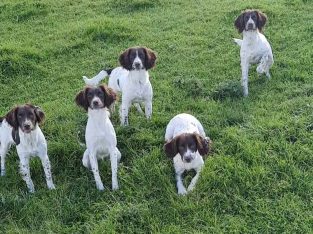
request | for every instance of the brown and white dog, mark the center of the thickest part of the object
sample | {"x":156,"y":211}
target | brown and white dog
{"x":21,"y":127}
{"x":254,"y":47}
{"x":100,"y":135}
{"x":186,"y":143}
{"x":131,"y":79}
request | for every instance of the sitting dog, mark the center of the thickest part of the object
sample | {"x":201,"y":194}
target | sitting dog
{"x":100,"y":135}
{"x":186,"y":143}
{"x":21,"y":127}
{"x":131,"y":79}
{"x":254,"y":48}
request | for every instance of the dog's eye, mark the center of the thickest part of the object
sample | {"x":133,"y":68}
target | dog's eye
{"x":89,"y":95}
{"x":19,"y":116}
{"x":181,"y":147}
{"x":192,"y":147}
{"x":253,"y":17}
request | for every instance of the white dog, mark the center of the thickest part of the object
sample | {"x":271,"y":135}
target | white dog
{"x":20,"y":127}
{"x":100,"y":135}
{"x":131,"y":79}
{"x":186,"y":143}
{"x":254,"y":48}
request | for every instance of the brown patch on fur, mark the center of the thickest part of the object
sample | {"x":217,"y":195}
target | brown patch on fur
{"x":170,"y":148}
{"x":150,"y":58}
{"x":81,"y":99}
{"x":11,"y":118}
{"x":203,"y":144}
{"x":124,"y":60}
{"x":110,"y":95}
{"x":262,"y":18}
{"x":239,"y":23}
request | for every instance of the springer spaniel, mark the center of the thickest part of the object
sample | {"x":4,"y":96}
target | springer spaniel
{"x":131,"y":79}
{"x":254,"y":48}
{"x":21,"y":127}
{"x":186,"y":143}
{"x":100,"y":135}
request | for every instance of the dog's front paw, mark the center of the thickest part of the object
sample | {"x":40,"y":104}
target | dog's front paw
{"x":51,"y":186}
{"x":182,"y":191}
{"x":114,"y":187}
{"x":124,"y":122}
{"x":100,"y":186}
{"x":31,"y":190}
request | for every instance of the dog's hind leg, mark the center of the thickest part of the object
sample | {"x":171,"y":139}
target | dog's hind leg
{"x":138,"y":107}
{"x":85,"y":159}
{"x":265,"y":65}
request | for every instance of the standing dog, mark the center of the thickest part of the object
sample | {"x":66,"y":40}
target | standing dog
{"x":254,"y":48}
{"x":131,"y":79}
{"x":186,"y":143}
{"x":21,"y":127}
{"x":100,"y":135}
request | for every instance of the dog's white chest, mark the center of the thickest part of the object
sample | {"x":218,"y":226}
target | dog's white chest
{"x":180,"y":165}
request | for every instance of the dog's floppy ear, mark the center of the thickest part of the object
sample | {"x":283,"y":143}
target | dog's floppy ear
{"x":16,"y":136}
{"x":170,"y":148}
{"x":81,"y":99}
{"x":40,"y":115}
{"x":262,"y":18}
{"x":239,"y":22}
{"x":110,"y":95}
{"x":150,"y":58}
{"x":124,"y":60}
{"x":11,"y":118}
{"x":203,"y":144}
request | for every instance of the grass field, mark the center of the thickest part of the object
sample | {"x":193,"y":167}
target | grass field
{"x":260,"y":175}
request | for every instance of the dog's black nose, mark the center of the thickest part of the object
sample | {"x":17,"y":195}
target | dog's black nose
{"x":250,"y":25}
{"x":95,"y":103}
{"x":27,"y":126}
{"x":137,"y":64}
{"x":187,"y":159}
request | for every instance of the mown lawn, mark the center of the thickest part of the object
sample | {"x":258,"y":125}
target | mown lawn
{"x":260,"y":175}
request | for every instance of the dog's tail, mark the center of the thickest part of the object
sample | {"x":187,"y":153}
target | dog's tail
{"x":108,"y":70}
{"x":94,"y":81}
{"x":238,"y":41}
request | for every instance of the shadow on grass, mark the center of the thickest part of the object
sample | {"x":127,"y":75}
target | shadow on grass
{"x":15,"y":61}
{"x":23,"y":12}
{"x":132,"y":6}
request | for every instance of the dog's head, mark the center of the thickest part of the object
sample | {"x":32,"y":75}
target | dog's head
{"x":95,"y":97}
{"x":25,"y":117}
{"x":187,"y":145}
{"x":250,"y":20}
{"x":137,"y":58}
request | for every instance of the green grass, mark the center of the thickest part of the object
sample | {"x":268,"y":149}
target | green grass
{"x":260,"y":176}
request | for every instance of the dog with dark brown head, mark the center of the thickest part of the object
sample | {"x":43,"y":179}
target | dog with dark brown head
{"x":250,"y":20}
{"x":100,"y":135}
{"x":21,"y":127}
{"x":254,"y":47}
{"x":132,"y":80}
{"x":187,"y":144}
